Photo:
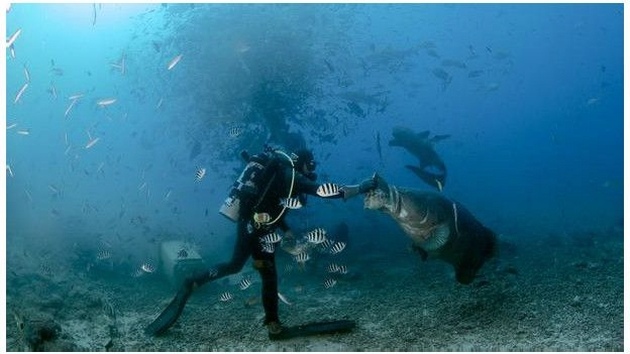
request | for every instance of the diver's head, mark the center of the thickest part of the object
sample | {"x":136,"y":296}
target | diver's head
{"x":305,"y":162}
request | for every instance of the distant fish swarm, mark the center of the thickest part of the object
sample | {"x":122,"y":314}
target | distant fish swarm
{"x":200,"y":174}
{"x":328,"y":190}
{"x":337,"y":247}
{"x":225,"y":297}
{"x":291,"y":203}
{"x":329,"y":283}
{"x":316,"y":236}
{"x":244,"y":283}
{"x":148,"y":267}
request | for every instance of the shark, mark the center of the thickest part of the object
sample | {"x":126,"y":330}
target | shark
{"x":431,"y":169}
{"x":439,"y":227}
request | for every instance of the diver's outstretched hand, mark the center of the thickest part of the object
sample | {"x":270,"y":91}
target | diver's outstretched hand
{"x":368,"y":184}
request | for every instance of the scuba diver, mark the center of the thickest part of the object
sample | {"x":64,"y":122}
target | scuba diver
{"x":271,"y":183}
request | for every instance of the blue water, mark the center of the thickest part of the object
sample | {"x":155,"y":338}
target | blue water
{"x":534,"y":108}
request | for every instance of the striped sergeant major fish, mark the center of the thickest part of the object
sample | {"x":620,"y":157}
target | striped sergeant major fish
{"x":329,"y":283}
{"x":273,"y":237}
{"x":291,"y":203}
{"x":200,"y":174}
{"x":316,"y":236}
{"x":244,"y":283}
{"x":328,"y":190}
{"x":225,"y":297}
{"x":337,"y":247}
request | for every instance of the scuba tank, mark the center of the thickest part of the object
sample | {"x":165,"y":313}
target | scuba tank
{"x":249,"y":184}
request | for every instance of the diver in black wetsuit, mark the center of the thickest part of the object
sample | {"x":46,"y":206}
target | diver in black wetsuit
{"x":259,"y":214}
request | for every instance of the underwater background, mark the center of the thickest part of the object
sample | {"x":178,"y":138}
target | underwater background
{"x":112,"y":109}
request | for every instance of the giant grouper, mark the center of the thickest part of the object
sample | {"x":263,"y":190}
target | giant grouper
{"x":438,"y":226}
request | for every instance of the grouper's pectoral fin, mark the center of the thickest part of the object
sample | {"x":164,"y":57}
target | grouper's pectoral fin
{"x":421,"y":252}
{"x":465,"y":274}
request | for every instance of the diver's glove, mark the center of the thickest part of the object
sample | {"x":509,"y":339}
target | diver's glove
{"x":365,"y":186}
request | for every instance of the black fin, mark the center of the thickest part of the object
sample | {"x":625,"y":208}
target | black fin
{"x":171,"y":313}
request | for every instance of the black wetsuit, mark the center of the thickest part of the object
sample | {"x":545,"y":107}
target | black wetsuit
{"x":248,"y":239}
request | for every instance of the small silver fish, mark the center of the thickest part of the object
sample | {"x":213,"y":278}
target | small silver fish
{"x":316,"y":236}
{"x":225,"y":297}
{"x":106,"y":102}
{"x":148,"y":267}
{"x":174,"y":62}
{"x":244,"y":283}
{"x":20,"y":92}
{"x":327,"y":190}
{"x":329,"y":283}
{"x":291,"y":203}
{"x":200,"y":174}
{"x":13,"y":37}
{"x":337,"y":247}
{"x":92,"y":143}
{"x":273,"y":237}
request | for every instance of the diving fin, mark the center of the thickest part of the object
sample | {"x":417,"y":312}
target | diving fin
{"x":171,"y":313}
{"x":314,"y":328}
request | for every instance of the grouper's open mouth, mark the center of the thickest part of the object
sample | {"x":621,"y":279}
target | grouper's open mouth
{"x":374,"y":199}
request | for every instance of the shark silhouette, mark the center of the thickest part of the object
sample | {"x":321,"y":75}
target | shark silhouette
{"x":431,"y":169}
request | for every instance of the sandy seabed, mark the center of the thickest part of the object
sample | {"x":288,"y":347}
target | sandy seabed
{"x":548,"y":295}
